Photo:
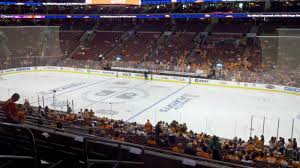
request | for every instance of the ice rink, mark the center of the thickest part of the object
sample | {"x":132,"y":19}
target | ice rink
{"x":225,"y":112}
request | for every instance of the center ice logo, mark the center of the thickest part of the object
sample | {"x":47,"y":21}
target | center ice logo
{"x":115,"y":95}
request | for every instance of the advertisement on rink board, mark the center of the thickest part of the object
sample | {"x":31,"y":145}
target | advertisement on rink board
{"x":159,"y":77}
{"x":23,"y":69}
{"x":170,"y":78}
{"x":9,"y":70}
{"x":50,"y":67}
{"x":292,"y":89}
{"x":67,"y":68}
{"x":94,"y":71}
{"x":180,"y":79}
{"x":131,"y":74}
{"x":108,"y":72}
{"x":139,"y":75}
{"x":270,"y":87}
{"x":125,"y":74}
{"x":199,"y":80}
{"x":80,"y":70}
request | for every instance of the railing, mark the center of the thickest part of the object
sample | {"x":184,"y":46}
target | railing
{"x":132,"y":148}
{"x":15,"y":127}
{"x":139,"y":150}
{"x":135,"y":148}
{"x":84,"y":136}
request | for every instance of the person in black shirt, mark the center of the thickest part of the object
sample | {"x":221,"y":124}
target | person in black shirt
{"x":146,"y":75}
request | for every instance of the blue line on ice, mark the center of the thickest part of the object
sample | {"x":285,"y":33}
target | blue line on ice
{"x":102,"y":81}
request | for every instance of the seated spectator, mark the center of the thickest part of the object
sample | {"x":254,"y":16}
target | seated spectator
{"x":282,"y":162}
{"x":295,"y":144}
{"x":272,"y":144}
{"x":151,"y":141}
{"x":214,"y":147}
{"x":271,"y":158}
{"x":189,"y":149}
{"x":158,"y":130}
{"x":172,"y":136}
{"x":178,"y":148}
{"x":70,"y":117}
{"x":40,"y":112}
{"x":281,"y":144}
{"x":139,"y":131}
{"x":69,"y":110}
{"x":91,"y":113}
{"x":296,"y":164}
{"x":289,"y":145}
{"x":13,"y":114}
{"x":260,"y":157}
{"x":26,"y":106}
{"x":148,"y":127}
{"x":46,"y":109}
{"x":202,"y":153}
{"x":118,"y":137}
{"x":109,"y":126}
{"x":250,"y":147}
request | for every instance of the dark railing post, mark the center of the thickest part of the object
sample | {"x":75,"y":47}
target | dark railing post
{"x":86,"y":153}
{"x":73,"y":106}
{"x":43,"y":101}
{"x":235,"y":128}
{"x":278,"y":128}
{"x":17,"y":126}
{"x":251,"y":126}
{"x":292,"y":129}
{"x":38,"y":100}
{"x":263,"y":131}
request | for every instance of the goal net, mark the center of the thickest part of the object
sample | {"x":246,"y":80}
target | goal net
{"x":281,"y":53}
{"x":28,"y":46}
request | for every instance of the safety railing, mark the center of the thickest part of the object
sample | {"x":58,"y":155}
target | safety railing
{"x":136,"y":149}
{"x":115,"y":146}
{"x":17,"y":127}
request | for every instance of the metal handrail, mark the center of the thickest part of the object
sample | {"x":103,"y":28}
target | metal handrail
{"x":165,"y":153}
{"x":14,"y":157}
{"x":119,"y":146}
{"x":147,"y":149}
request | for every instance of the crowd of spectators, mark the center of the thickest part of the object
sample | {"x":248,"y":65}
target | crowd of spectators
{"x":101,"y":43}
{"x":174,"y":136}
{"x":181,"y":45}
{"x":136,"y":48}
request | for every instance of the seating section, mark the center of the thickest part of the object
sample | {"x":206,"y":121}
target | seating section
{"x":161,"y":139}
{"x":69,"y":40}
{"x":193,"y":45}
{"x":174,"y":50}
{"x":232,"y":27}
{"x":101,"y":43}
{"x":136,"y":48}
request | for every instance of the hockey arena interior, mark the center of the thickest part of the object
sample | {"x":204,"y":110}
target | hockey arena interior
{"x":149,"y":83}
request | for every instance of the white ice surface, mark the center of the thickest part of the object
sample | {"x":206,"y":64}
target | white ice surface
{"x":225,"y":112}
